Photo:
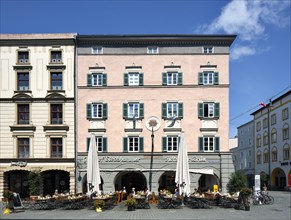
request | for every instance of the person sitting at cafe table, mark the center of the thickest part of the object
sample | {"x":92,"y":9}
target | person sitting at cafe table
{"x":56,"y":192}
{"x":176,"y":194}
{"x":93,"y":194}
{"x":217,"y":197}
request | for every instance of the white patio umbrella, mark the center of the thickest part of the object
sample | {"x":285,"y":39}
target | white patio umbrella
{"x":93,"y":171}
{"x":182,"y":178}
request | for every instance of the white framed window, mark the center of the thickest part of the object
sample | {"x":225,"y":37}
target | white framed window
{"x":133,"y":144}
{"x":208,"y":78}
{"x":97,"y":110}
{"x":172,"y":78}
{"x":23,"y":147}
{"x":258,"y":126}
{"x":133,"y":110}
{"x":133,"y":79}
{"x":265,"y":122}
{"x":172,"y":109}
{"x":241,"y":155}
{"x":208,"y":144}
{"x":207,"y":49}
{"x":249,"y":165}
{"x":152,"y":50}
{"x":208,"y":110}
{"x":172,"y":144}
{"x":97,"y":50}
{"x":97,"y":79}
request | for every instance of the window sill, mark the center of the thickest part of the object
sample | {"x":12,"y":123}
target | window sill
{"x":55,"y":127}
{"x":24,"y":127}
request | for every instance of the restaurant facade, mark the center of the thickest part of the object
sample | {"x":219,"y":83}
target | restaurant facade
{"x":137,"y":93}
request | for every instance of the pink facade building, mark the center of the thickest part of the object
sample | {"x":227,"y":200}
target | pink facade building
{"x":180,"y":81}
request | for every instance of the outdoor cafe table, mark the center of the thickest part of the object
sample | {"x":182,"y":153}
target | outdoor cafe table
{"x":141,"y":202}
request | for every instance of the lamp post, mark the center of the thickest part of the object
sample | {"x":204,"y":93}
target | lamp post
{"x":220,"y":173}
{"x":152,"y":159}
{"x":152,"y":124}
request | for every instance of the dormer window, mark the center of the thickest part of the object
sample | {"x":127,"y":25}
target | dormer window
{"x":152,"y":50}
{"x":97,"y":50}
{"x":207,"y":49}
{"x":23,"y":57}
{"x":56,"y":57}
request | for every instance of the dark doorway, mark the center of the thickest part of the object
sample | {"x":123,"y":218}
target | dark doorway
{"x":130,"y":180}
{"x":18,"y":182}
{"x":55,"y":180}
{"x":167,"y":181}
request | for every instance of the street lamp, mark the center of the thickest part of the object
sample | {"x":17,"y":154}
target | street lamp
{"x":220,"y":173}
{"x":152,"y":124}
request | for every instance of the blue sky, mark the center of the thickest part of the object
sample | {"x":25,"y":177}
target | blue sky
{"x":260,"y":56}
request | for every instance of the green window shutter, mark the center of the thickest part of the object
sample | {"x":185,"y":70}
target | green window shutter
{"x":105,"y":111}
{"x":200,"y":78}
{"x":141,"y":110}
{"x":141,"y":144}
{"x":164,"y":110}
{"x":125,"y":149}
{"x":141,"y":79}
{"x":216,"y":110}
{"x":200,"y":110}
{"x":89,"y":79}
{"x":104,"y":144}
{"x":89,"y":111}
{"x":125,"y":115}
{"x":104,"y":82}
{"x":200,"y":143}
{"x":164,"y":79}
{"x":125,"y":79}
{"x":180,"y":78}
{"x":88,"y":144}
{"x":216,"y":80}
{"x":164,"y":141}
{"x":180,"y":112}
{"x":217,"y":144}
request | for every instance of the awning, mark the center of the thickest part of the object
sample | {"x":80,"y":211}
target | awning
{"x":202,"y":171}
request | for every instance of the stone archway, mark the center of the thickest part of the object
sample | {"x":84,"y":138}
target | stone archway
{"x":55,"y":180}
{"x":17,"y":181}
{"x":207,"y":181}
{"x":129,"y":180}
{"x":167,"y":181}
{"x":278,"y":179}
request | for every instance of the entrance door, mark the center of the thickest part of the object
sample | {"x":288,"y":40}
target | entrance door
{"x":55,"y":180}
{"x":131,"y":180}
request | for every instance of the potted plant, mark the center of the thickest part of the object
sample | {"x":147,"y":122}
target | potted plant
{"x":130,"y":203}
{"x":8,"y":197}
{"x":99,"y":205}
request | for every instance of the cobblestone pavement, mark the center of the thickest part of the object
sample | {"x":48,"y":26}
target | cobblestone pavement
{"x":280,"y":210}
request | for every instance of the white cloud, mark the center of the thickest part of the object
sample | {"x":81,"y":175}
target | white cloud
{"x":241,"y":51}
{"x":248,"y":19}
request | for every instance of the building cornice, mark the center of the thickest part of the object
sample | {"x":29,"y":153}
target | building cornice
{"x":158,"y":39}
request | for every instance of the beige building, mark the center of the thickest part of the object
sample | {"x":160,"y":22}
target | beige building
{"x":37,"y":111}
{"x":272,"y":122}
{"x":179,"y":81}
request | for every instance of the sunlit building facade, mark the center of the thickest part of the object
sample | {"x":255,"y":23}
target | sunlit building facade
{"x":124,"y":82}
{"x":37,"y":129}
